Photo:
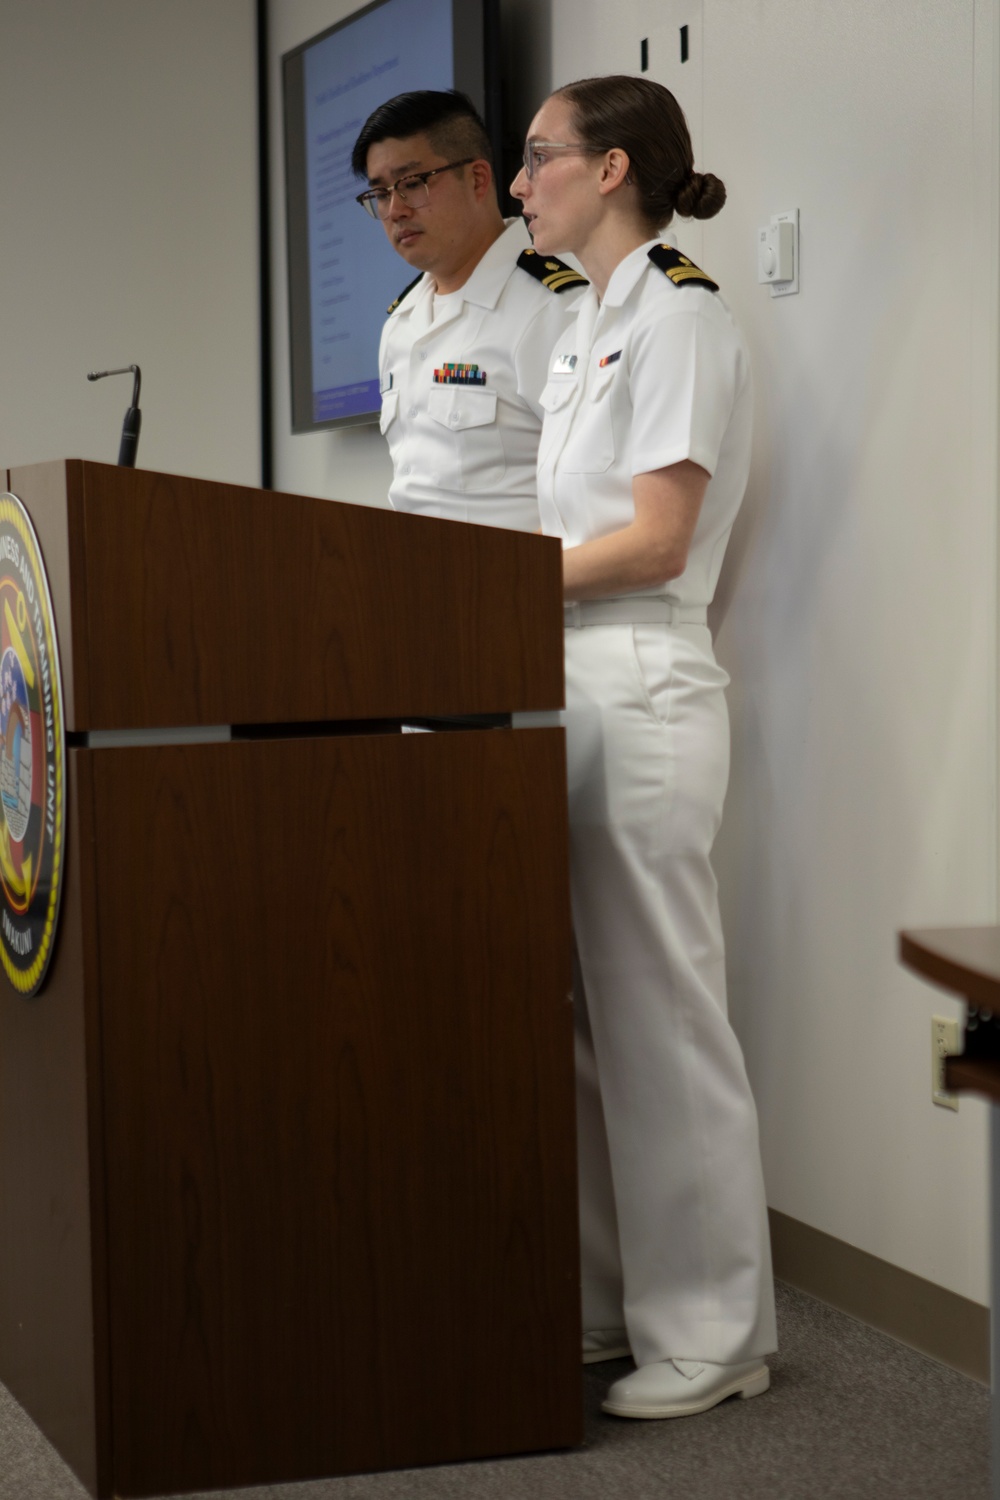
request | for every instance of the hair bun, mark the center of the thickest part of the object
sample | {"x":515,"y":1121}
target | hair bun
{"x":701,"y":197}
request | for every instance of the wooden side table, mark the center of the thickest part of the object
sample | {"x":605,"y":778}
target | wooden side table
{"x":966,"y":961}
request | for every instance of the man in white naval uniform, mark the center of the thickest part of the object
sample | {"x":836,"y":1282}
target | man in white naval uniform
{"x":465,"y":350}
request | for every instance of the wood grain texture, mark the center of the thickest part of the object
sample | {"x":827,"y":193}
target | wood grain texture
{"x":203,"y":603}
{"x":81,"y":814}
{"x":965,"y":960}
{"x":973,"y":1075}
{"x":53,"y":1355}
{"x":339,"y":1105}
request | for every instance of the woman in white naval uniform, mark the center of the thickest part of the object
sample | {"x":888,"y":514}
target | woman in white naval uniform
{"x":643,"y":461}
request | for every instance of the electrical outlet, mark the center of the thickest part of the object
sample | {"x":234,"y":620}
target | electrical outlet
{"x":945,"y":1042}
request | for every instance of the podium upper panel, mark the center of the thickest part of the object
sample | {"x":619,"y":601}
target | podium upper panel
{"x":185,"y":602}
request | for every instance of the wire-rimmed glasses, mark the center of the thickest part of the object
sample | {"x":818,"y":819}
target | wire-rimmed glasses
{"x":411,"y":189}
{"x":535,"y":152}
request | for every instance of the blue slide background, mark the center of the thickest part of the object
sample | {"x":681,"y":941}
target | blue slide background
{"x":354,"y":273}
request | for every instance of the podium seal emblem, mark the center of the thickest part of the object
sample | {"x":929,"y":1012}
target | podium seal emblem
{"x":32,"y":756}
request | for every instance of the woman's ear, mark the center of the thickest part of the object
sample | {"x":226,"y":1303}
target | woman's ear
{"x":614,"y":170}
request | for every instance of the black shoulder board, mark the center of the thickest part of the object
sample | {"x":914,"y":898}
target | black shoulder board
{"x":555,"y":274}
{"x":679,"y":269}
{"x":404,"y":293}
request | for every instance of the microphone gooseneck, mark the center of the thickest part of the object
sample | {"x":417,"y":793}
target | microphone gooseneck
{"x":132,"y":424}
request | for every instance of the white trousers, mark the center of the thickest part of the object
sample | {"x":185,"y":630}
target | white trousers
{"x":673,"y":1222}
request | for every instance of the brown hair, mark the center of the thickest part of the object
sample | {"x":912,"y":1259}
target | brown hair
{"x":644,"y":119}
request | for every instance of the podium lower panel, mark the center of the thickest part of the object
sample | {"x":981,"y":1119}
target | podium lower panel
{"x":336,"y":1056}
{"x":53,"y":1319}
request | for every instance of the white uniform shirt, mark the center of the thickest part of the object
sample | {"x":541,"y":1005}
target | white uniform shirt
{"x":653,"y":374}
{"x":468,"y":452}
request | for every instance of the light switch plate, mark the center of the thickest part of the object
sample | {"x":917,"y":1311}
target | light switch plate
{"x":778,"y":253}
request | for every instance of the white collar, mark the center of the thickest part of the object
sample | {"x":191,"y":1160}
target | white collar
{"x":488,"y":279}
{"x":626,"y":274}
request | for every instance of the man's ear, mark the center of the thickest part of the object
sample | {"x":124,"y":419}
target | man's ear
{"x":482,"y":179}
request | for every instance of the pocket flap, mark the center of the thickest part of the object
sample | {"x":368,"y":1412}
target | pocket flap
{"x":555,"y":395}
{"x":601,"y":381}
{"x":459,"y":407}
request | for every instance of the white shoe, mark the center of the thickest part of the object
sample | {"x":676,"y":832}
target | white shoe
{"x":684,"y":1387}
{"x":605,"y":1343}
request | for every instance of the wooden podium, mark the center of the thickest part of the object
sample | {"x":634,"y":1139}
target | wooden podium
{"x":287,"y":1162}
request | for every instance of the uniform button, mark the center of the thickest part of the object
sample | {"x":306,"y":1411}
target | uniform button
{"x":423,"y":354}
{"x":413,"y":411}
{"x":405,"y":469}
{"x":453,"y":418}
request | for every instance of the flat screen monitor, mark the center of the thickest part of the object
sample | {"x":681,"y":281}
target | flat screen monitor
{"x":342,"y":271}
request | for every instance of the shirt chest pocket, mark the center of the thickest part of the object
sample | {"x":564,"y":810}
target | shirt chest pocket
{"x":590,"y":448}
{"x":466,"y":432}
{"x":554,"y":401}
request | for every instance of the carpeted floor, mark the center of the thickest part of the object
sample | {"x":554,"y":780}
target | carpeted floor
{"x":851,"y":1415}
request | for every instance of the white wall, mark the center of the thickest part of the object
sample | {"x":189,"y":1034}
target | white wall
{"x":128,"y":232}
{"x":857,"y":613}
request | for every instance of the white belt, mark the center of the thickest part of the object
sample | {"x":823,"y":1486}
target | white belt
{"x":633,"y":611}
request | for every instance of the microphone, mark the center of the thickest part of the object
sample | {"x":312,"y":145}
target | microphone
{"x":133,"y":417}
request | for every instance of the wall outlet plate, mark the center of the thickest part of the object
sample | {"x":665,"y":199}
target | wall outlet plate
{"x":946,"y":1041}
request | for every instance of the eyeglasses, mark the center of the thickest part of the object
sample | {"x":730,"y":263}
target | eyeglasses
{"x":535,"y":153}
{"x":411,"y":190}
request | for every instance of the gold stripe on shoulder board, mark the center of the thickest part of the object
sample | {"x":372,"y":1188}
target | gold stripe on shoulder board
{"x":678,"y":268}
{"x":685,"y":273}
{"x":563,"y":278}
{"x":404,"y":293}
{"x":554,"y":274}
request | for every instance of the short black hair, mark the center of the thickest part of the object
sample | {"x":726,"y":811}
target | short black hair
{"x":447,"y":117}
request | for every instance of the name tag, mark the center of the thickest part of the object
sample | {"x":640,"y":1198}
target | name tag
{"x":385,"y":384}
{"x":564,"y":365}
